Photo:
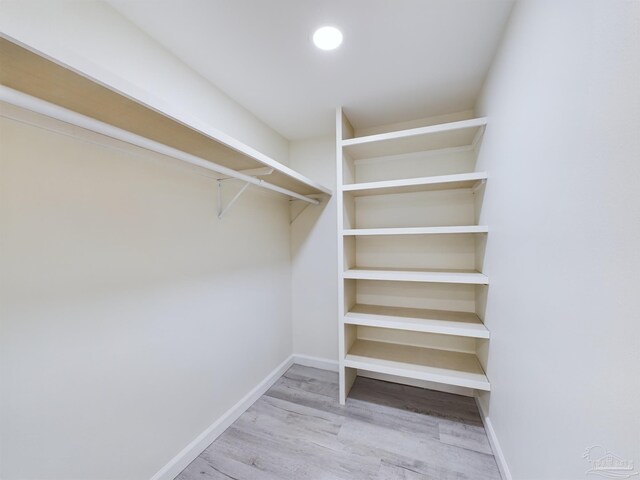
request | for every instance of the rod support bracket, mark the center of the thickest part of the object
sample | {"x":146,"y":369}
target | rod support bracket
{"x":254,"y":172}
{"x":292,"y":201}
{"x":222,"y":210}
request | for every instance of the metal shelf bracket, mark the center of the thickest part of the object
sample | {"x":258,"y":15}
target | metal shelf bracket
{"x":254,"y":172}
{"x":293,"y":201}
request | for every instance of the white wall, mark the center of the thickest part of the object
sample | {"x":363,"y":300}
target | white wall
{"x":91,"y":36}
{"x":126,"y":304}
{"x":562,"y":149}
{"x":131,"y":317}
{"x":314,"y":247}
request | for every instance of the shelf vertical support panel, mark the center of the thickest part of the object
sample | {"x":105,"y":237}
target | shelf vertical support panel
{"x":345,"y":337}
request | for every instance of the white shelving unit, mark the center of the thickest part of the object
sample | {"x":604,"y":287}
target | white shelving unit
{"x":408,"y":302}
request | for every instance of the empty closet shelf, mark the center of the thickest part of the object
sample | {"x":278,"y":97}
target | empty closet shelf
{"x":419,"y":184}
{"x":440,"y":366}
{"x":462,"y":324}
{"x":416,"y":230}
{"x":471,"y":277}
{"x":434,"y":137}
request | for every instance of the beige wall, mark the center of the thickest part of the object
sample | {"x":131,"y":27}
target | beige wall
{"x":131,"y":317}
{"x":562,"y":149}
{"x":314,"y":247}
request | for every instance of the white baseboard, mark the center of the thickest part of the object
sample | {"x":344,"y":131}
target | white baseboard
{"x":197,"y":446}
{"x":315,"y":362}
{"x":493,"y":441}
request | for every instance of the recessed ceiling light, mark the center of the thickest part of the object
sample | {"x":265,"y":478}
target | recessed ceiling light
{"x":327,"y":38}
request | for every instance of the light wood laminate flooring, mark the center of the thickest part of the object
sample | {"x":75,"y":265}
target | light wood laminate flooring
{"x":298,"y":431}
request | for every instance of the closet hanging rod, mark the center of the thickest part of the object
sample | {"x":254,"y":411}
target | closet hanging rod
{"x":48,"y":109}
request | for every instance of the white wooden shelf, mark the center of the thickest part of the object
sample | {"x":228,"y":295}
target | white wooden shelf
{"x":463,"y":324}
{"x":435,"y":137}
{"x":31,"y":74}
{"x":470,"y":277}
{"x":440,"y":366}
{"x":416,"y":230}
{"x":420,"y":184}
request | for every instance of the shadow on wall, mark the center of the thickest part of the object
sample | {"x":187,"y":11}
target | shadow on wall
{"x":304,"y":218}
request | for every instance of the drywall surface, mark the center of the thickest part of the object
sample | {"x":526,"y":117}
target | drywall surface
{"x":91,"y":36}
{"x":131,"y":317}
{"x":563,"y":253}
{"x":313,"y":255}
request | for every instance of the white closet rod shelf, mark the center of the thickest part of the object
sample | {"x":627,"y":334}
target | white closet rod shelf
{"x":42,"y":107}
{"x":146,"y":121}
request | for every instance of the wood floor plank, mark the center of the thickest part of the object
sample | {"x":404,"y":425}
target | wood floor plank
{"x":298,"y":431}
{"x":389,"y":443}
{"x":269,"y":459}
{"x":417,"y":400}
{"x":286,"y":390}
{"x":222,"y":467}
{"x":294,"y":409}
{"x":311,"y":385}
{"x":312,"y":375}
{"x":275,"y":420}
{"x":393,"y":418}
{"x":427,"y":467}
{"x":200,"y":468}
{"x":412,"y":468}
{"x":292,"y":458}
{"x":389,"y":470}
{"x":466,"y":436}
{"x":315,"y":432}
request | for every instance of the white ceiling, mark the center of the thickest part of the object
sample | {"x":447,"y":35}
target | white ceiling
{"x":400,"y":59}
